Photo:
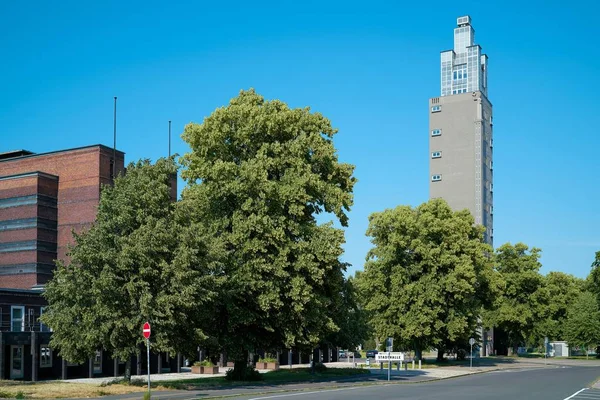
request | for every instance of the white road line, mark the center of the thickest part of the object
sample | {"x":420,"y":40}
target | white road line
{"x":315,"y":392}
{"x":575,"y":394}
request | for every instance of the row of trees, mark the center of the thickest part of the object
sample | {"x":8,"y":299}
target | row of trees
{"x":431,"y":282}
{"x":238,"y":264}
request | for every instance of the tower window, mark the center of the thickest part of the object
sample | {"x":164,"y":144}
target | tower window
{"x":436,"y":154}
{"x":436,"y":132}
{"x":436,"y":108}
{"x":436,"y":178}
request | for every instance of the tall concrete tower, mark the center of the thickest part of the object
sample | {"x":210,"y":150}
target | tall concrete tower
{"x":460,"y":131}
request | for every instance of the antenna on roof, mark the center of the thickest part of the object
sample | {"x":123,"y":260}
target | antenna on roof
{"x":169,"y":139}
{"x":114,"y":160}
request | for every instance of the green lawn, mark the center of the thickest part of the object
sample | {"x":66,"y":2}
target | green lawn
{"x":273,"y":377}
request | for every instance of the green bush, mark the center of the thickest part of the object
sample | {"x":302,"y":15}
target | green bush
{"x":461,"y":354}
{"x":243,"y":374}
{"x":267,"y":360}
{"x":20,"y":395}
{"x":147,"y":396}
{"x":320,"y":367}
{"x":205,"y":363}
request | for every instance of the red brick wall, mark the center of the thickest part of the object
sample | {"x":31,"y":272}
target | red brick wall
{"x":80,"y":174}
{"x":19,"y":281}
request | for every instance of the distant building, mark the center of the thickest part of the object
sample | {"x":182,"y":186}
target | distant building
{"x":460,"y":131}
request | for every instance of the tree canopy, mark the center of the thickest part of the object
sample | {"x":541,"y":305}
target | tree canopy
{"x":524,"y":300}
{"x":127,"y":269}
{"x":582,"y":327}
{"x":428,"y":275}
{"x":257,"y":175}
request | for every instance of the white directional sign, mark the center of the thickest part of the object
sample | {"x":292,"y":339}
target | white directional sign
{"x":389,"y":356}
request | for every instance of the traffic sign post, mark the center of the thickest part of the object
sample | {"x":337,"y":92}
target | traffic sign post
{"x":471,"y":342}
{"x":146,"y":332}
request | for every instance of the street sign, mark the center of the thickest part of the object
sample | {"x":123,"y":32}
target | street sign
{"x":389,"y":344}
{"x":471,"y":342}
{"x":146,"y":330}
{"x":389,"y":356}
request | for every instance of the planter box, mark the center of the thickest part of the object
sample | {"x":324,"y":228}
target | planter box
{"x":205,"y":370}
{"x":210,"y":370}
{"x":267,"y":365}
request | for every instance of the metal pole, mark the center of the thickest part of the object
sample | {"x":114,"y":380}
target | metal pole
{"x":169,"y":138}
{"x":148,"y":359}
{"x":471,"y":366}
{"x":115,"y":140}
{"x":389,"y":365}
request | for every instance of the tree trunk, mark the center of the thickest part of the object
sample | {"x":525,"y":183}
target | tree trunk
{"x":240,"y":366}
{"x":440,"y":354}
{"x":128,"y":369}
{"x":418,"y":351}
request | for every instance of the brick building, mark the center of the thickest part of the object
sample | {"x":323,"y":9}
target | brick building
{"x":43,"y":198}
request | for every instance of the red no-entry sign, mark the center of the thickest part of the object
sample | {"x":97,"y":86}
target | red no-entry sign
{"x":146,"y":330}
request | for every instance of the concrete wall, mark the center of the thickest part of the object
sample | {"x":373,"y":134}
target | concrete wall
{"x":466,"y":154}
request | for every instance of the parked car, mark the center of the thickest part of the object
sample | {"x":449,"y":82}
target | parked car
{"x":342,"y":354}
{"x":371,"y":353}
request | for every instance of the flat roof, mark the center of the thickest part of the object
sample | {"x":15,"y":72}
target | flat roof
{"x":15,"y":153}
{"x":20,"y":154}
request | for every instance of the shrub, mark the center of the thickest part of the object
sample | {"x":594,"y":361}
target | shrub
{"x":267,"y":360}
{"x":243,"y":374}
{"x":461,"y":354}
{"x":205,"y":363}
{"x":320,"y":367}
{"x":147,"y":396}
{"x":20,"y":395}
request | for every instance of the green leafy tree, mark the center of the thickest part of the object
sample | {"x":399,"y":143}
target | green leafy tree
{"x":427,"y":277}
{"x":524,"y":301}
{"x":350,"y":319}
{"x":127,"y":269}
{"x":559,"y":291}
{"x":258,"y":174}
{"x":593,"y":279}
{"x":582,"y":327}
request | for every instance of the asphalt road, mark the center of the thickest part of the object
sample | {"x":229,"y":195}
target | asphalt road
{"x":532,"y":384}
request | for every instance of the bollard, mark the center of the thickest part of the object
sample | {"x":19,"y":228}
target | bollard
{"x":406,"y":366}
{"x":413,"y":364}
{"x":381,"y":365}
{"x":419,"y":364}
{"x":398,"y":366}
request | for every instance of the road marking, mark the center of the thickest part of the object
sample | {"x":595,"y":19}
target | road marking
{"x":575,"y":394}
{"x":315,"y":392}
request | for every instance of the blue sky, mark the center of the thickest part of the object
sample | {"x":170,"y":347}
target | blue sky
{"x":369,"y":66}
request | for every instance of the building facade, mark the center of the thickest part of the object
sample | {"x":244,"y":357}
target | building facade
{"x":460,"y":131}
{"x":460,"y":137}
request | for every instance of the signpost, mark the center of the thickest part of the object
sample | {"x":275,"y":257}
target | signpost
{"x":472,"y":342}
{"x":146,"y":332}
{"x":389,"y":357}
{"x":390,"y":348}
{"x":546,"y":350}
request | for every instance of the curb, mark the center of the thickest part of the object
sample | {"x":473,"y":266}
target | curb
{"x":333,"y":387}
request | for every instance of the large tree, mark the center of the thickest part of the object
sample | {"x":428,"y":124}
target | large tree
{"x":428,"y":275}
{"x":524,"y":300}
{"x":258,"y":174}
{"x":593,"y":279}
{"x":582,"y":327}
{"x":559,"y":291}
{"x":135,"y":264}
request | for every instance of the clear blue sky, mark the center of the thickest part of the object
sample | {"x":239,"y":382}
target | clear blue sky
{"x":369,"y":66}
